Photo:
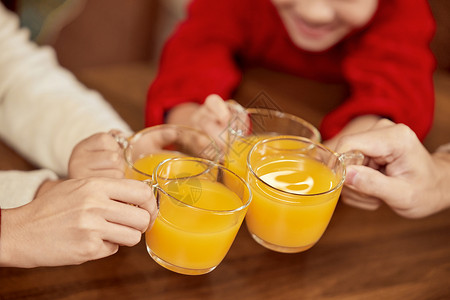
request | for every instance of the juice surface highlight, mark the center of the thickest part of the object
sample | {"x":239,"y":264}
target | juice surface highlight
{"x":298,"y":218}
{"x":191,"y":238}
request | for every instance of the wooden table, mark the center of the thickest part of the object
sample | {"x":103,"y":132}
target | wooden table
{"x":362,"y":255}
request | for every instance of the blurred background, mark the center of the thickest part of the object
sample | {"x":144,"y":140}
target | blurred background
{"x":113,"y":46}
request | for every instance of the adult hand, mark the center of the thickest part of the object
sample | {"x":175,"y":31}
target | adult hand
{"x":97,"y":156}
{"x":399,"y":171}
{"x":76,"y":221}
{"x":357,"y":125}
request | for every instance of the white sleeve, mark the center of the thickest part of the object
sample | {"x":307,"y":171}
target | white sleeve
{"x":19,"y":187}
{"x":44,"y":110}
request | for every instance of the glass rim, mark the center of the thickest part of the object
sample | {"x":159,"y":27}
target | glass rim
{"x":144,"y":131}
{"x":302,"y":139}
{"x":280,"y":114}
{"x":211,"y":164}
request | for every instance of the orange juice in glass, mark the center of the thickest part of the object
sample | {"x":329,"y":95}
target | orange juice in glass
{"x":248,"y":126}
{"x":147,"y":148}
{"x":296,"y":184}
{"x":201,"y":208}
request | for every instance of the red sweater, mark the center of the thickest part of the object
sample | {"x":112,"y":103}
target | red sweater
{"x":387,"y":64}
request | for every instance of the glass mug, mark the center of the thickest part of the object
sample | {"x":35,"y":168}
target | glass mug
{"x":295,"y":184}
{"x":201,"y":208}
{"x":248,"y":126}
{"x":145,"y":149}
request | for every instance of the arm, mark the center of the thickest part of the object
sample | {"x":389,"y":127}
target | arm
{"x":442,"y":162}
{"x":44,"y":110}
{"x":198,"y":60}
{"x":389,"y":69}
{"x":20,"y":187}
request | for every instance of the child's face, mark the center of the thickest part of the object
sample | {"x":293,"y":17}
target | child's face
{"x":317,"y":25}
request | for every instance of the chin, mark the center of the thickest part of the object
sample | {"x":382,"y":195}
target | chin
{"x":317,"y":44}
{"x":314,"y":46}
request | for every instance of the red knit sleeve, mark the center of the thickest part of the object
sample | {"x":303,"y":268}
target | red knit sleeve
{"x":198,"y":59}
{"x":389,"y":69}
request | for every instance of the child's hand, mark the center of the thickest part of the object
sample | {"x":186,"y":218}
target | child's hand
{"x":213,"y":117}
{"x":97,"y":155}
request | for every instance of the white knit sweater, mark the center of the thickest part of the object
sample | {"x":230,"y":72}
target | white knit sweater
{"x":44,"y":111}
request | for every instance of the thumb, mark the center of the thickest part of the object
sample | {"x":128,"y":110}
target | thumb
{"x":375,"y":184}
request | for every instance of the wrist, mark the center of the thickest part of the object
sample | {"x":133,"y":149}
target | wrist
{"x":3,"y":250}
{"x":6,"y":253}
{"x":15,"y":249}
{"x":45,"y":186}
{"x":0,"y":236}
{"x":441,"y":161}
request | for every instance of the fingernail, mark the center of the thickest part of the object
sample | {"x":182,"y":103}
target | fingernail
{"x":350,"y":175}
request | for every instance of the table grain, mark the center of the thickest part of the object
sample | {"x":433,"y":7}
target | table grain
{"x":362,"y":255}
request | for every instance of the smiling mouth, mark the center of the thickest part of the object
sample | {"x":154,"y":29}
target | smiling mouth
{"x":313,"y":31}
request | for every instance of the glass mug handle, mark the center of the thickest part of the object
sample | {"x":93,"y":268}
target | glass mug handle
{"x":120,"y":138}
{"x":353,"y":157}
{"x":154,"y":187}
{"x":239,"y":118}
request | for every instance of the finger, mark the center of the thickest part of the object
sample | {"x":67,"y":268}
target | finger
{"x":234,"y":106}
{"x":110,"y":173}
{"x":144,"y":198}
{"x":152,"y":208}
{"x":152,"y":219}
{"x":220,"y":134}
{"x":361,"y":205}
{"x":393,"y":138}
{"x":121,"y":235}
{"x":217,"y":107}
{"x":103,"y":160}
{"x":127,"y":215}
{"x":106,"y":249}
{"x":124,"y":190}
{"x":119,"y":137}
{"x":101,"y":141}
{"x":360,"y":200}
{"x":375,"y":184}
{"x":155,"y":140}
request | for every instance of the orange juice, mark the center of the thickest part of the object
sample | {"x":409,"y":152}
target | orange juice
{"x":195,"y":236}
{"x":148,"y":163}
{"x":236,"y":158}
{"x":291,"y":207}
